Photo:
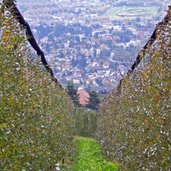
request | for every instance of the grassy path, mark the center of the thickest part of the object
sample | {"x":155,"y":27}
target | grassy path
{"x":89,"y":157}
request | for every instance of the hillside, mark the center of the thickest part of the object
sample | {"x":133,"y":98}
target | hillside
{"x":134,"y":119}
{"x":38,"y":121}
{"x":92,"y":43}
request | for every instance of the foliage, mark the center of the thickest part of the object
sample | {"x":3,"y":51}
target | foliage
{"x":93,"y":101}
{"x":36,"y":121}
{"x":72,"y":92}
{"x":134,"y":123}
{"x":89,"y":157}
{"x":85,"y":122}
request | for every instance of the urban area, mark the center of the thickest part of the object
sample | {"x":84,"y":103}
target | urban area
{"x":92,"y":43}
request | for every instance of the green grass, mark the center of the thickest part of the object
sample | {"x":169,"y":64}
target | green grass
{"x":89,"y":157}
{"x":130,"y":12}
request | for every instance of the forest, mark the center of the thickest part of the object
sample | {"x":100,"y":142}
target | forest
{"x":42,"y":128}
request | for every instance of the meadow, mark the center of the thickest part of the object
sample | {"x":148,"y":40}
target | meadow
{"x":130,"y":12}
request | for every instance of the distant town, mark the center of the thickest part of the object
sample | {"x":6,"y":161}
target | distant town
{"x":92,"y":43}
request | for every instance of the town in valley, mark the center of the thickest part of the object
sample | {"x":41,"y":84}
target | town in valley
{"x":92,"y":43}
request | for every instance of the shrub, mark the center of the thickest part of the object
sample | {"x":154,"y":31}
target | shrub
{"x":134,"y":123}
{"x":36,"y":121}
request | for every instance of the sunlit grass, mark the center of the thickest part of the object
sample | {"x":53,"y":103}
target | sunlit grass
{"x":89,"y":157}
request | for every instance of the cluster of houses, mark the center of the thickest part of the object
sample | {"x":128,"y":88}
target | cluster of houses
{"x":84,"y":46}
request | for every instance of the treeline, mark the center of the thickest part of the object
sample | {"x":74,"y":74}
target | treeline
{"x":91,"y":101}
{"x":85,"y":114}
{"x":134,"y":120}
{"x":36,"y":115}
